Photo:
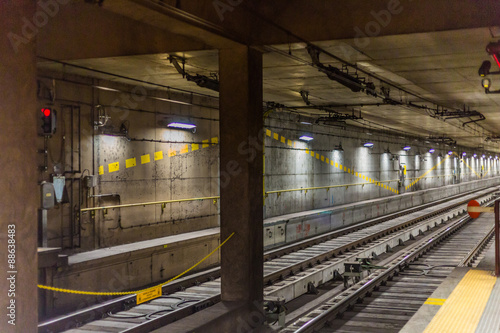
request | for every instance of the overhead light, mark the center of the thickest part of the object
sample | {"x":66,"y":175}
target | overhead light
{"x":183,"y":126}
{"x":169,"y":100}
{"x":475,"y":155}
{"x":406,"y":148}
{"x":305,"y":123}
{"x":464,"y":153}
{"x":106,"y":88}
{"x":450,"y":152}
{"x":368,"y":144}
{"x":305,"y":138}
{"x":432,"y":150}
{"x":339,"y":147}
{"x":483,"y":156}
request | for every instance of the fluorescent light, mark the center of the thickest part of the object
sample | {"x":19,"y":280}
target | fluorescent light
{"x":484,"y":156}
{"x":305,"y":123}
{"x":450,"y":152}
{"x":305,"y":138}
{"x":475,"y":155}
{"x":368,"y":144}
{"x":432,"y":150}
{"x":181,"y":125}
{"x":169,"y":100}
{"x":464,"y":153}
{"x":406,"y":148}
{"x":106,"y":88}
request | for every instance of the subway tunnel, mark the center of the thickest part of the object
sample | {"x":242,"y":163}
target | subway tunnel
{"x":237,"y":166}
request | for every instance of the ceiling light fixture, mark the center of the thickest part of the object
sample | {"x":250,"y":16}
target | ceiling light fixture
{"x":182,"y":126}
{"x":306,"y":138}
{"x":368,"y":144}
{"x":406,"y":148}
{"x":450,"y":152}
{"x":432,"y":150}
{"x":339,"y":147}
{"x":464,"y":153}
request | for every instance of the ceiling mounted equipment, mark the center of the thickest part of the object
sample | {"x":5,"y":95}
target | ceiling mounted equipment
{"x":454,"y":114}
{"x":447,"y":141}
{"x":203,"y":81}
{"x":355,"y":83}
{"x":493,"y":49}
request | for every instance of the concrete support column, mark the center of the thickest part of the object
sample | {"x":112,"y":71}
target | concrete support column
{"x":241,"y":203}
{"x":19,"y":197}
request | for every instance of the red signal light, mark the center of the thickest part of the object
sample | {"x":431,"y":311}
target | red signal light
{"x":46,"y":112}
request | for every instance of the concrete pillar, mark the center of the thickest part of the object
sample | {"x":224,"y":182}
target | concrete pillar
{"x":19,"y":197}
{"x":241,"y":203}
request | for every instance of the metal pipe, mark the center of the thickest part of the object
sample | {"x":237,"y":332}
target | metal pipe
{"x":326,"y":187}
{"x":147,"y":203}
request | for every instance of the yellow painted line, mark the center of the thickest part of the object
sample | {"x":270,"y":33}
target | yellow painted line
{"x":317,"y":156}
{"x":268,"y":133}
{"x":283,"y":140}
{"x":356,"y":174}
{"x":101,"y":170}
{"x":195,"y":146}
{"x":145,"y":159}
{"x":468,"y":166}
{"x":289,"y":142}
{"x":307,"y":151}
{"x":112,"y":167}
{"x":276,"y":136}
{"x":204,"y":144}
{"x":435,"y":301}
{"x":345,"y":169}
{"x":185,"y":149}
{"x":215,"y":140}
{"x":322,"y":158}
{"x":172,"y":152}
{"x":327,"y":160}
{"x":463,"y":309}
{"x":312,"y":153}
{"x":434,"y":167}
{"x":131,"y":162}
{"x":158,"y":155}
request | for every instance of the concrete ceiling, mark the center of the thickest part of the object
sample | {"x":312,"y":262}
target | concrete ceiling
{"x":440,"y":67}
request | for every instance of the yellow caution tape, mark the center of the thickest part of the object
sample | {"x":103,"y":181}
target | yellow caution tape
{"x":80,"y":292}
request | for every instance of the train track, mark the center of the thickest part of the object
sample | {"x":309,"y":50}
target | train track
{"x":385,"y":301}
{"x":316,"y":260}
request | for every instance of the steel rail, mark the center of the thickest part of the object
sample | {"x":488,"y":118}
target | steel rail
{"x":122,"y":303}
{"x":472,"y":255}
{"x":373,"y":281}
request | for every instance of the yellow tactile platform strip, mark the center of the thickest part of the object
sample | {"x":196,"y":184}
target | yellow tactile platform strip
{"x":463,"y":309}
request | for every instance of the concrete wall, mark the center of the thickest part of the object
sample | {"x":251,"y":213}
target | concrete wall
{"x":153,"y":163}
{"x":156,"y":176}
{"x":290,"y":165}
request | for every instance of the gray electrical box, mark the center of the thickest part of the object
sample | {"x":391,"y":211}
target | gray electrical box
{"x":47,"y":195}
{"x":91,"y":181}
